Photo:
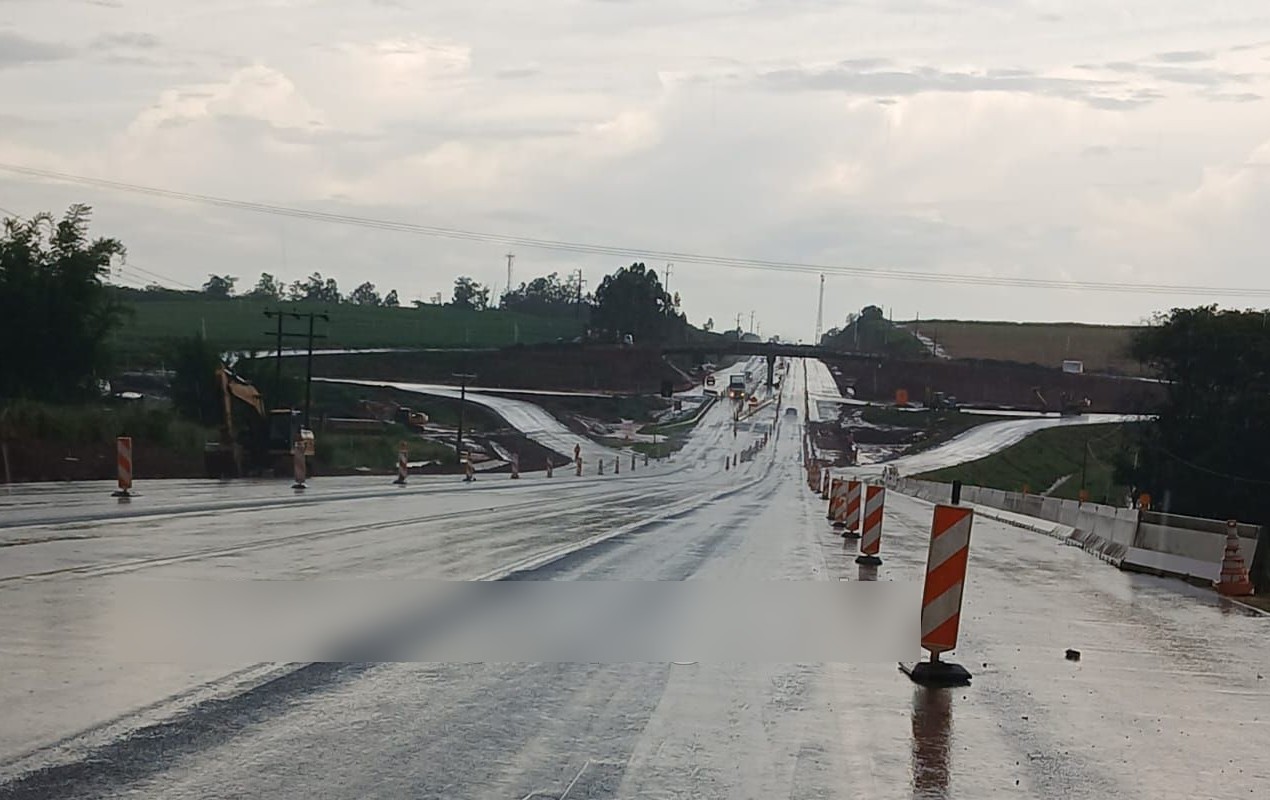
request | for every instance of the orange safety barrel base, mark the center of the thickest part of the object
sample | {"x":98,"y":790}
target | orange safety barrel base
{"x":1241,"y":588}
{"x":872,"y":561}
{"x":938,"y":674}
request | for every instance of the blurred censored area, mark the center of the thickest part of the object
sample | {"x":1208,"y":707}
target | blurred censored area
{"x":137,"y":620}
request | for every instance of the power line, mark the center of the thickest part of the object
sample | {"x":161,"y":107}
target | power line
{"x":634,"y":252}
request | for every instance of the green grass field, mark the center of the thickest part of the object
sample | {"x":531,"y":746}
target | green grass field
{"x":1101,"y":347}
{"x":240,"y":324}
{"x":1044,"y":457}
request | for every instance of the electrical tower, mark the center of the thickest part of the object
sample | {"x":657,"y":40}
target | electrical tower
{"x":510,"y":258}
{"x":820,"y":311}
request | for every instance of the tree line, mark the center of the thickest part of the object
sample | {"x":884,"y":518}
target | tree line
{"x":58,"y":308}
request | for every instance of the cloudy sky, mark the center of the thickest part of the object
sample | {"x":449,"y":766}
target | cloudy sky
{"x":994,"y":141}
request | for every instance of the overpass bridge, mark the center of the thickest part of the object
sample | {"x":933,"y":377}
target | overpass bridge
{"x":768,"y":350}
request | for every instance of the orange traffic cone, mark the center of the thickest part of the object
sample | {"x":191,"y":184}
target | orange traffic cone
{"x":1234,"y":575}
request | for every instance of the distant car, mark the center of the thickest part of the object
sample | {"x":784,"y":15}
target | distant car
{"x":791,"y":412}
{"x":628,"y":340}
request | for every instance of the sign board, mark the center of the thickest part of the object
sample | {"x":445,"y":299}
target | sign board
{"x":1074,"y":367}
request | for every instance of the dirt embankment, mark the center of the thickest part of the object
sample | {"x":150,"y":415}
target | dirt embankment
{"x":560,"y":368}
{"x":994,"y":383}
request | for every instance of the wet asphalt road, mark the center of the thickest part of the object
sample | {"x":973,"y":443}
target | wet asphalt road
{"x":1166,"y":701}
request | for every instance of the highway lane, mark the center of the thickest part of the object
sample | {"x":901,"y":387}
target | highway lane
{"x":55,"y":576}
{"x":1165,"y":701}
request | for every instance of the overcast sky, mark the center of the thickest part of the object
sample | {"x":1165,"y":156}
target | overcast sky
{"x":1079,"y":140}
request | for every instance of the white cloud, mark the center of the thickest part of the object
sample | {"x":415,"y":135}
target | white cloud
{"x":943,"y":135}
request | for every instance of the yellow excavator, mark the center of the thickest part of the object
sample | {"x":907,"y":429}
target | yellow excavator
{"x":265,"y":445}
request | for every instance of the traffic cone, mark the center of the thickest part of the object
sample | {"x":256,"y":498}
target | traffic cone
{"x":1234,"y":575}
{"x":515,"y":466}
{"x":298,"y":465}
{"x":601,"y":466}
{"x":549,"y":467}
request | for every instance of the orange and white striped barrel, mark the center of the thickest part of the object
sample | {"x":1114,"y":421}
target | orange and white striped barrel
{"x":123,"y":461}
{"x":1234,"y":576}
{"x":871,"y":537}
{"x":851,"y":515}
{"x":837,"y":498}
{"x":945,"y":577}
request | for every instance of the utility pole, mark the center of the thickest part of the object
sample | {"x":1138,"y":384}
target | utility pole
{"x":312,"y":317}
{"x":510,"y":258}
{"x":738,"y":323}
{"x":577,"y":308}
{"x":751,"y":321}
{"x":463,"y":377}
{"x":820,"y":311}
{"x":670,"y":267}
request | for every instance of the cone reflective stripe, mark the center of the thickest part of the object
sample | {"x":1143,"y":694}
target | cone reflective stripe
{"x":1234,"y":576}
{"x":837,"y":498}
{"x":123,"y":452}
{"x":851,"y":516}
{"x":871,"y":538}
{"x":945,"y":577}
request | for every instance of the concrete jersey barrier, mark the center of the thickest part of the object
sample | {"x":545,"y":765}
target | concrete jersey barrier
{"x":1142,"y":541}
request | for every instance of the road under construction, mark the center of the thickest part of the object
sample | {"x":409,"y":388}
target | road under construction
{"x":1086,"y":681}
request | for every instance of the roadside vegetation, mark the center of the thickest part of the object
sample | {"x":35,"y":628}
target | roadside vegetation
{"x":917,"y":430}
{"x":1044,"y":458}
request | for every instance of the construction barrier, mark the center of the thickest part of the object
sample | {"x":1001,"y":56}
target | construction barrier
{"x":469,"y":471}
{"x":851,"y":517}
{"x":123,"y":465}
{"x":550,"y":468}
{"x":632,"y":462}
{"x":298,"y":465}
{"x":403,"y":465}
{"x":945,"y":577}
{"x":824,"y":484}
{"x":577,"y":461}
{"x":601,"y":466}
{"x":617,"y":465}
{"x":837,"y":498}
{"x":646,"y":459}
{"x":871,"y":535}
{"x":515,"y":466}
{"x":1234,"y":580}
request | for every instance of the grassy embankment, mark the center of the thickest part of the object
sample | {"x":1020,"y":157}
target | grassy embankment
{"x":1102,"y":348}
{"x":239,"y":324}
{"x":1044,"y":457}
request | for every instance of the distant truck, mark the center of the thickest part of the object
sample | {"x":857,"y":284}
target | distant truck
{"x":736,"y":385}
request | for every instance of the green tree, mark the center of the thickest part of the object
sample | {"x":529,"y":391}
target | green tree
{"x":469,"y":294}
{"x":365,"y":295}
{"x":267,"y":288}
{"x":632,"y":301}
{"x":315,"y":289}
{"x":545,"y":296}
{"x":56,"y":312}
{"x":220,"y":287}
{"x":1205,"y":452}
{"x":390,"y":300}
